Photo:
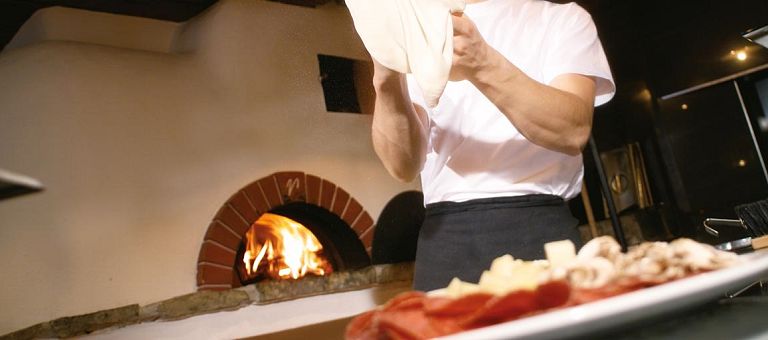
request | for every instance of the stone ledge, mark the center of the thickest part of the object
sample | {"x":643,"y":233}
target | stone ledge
{"x":81,"y":324}
{"x":204,"y":302}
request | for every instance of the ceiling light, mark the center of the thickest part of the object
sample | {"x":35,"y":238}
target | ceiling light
{"x":740,"y":55}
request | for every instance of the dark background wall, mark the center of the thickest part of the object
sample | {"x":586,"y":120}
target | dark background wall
{"x":656,"y":49}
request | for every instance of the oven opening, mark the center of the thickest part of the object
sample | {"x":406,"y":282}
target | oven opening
{"x":297,"y":240}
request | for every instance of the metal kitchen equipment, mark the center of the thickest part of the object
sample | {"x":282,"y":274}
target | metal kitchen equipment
{"x":753,"y":217}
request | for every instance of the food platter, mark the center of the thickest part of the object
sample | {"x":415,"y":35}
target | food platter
{"x":593,"y":317}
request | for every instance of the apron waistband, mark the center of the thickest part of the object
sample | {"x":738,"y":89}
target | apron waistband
{"x":524,"y":201}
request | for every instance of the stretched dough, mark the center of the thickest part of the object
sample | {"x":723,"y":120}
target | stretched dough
{"x":410,"y":36}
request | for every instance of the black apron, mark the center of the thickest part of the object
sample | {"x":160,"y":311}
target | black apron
{"x":462,"y":239}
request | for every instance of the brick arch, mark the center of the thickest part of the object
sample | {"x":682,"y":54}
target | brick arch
{"x":222,"y":239}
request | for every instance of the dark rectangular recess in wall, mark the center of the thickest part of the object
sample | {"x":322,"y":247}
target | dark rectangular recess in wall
{"x":337,"y":75}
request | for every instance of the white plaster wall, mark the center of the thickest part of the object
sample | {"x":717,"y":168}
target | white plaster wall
{"x":140,"y":132}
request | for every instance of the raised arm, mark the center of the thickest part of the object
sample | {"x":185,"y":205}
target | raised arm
{"x":399,"y":126}
{"x":557,"y":116}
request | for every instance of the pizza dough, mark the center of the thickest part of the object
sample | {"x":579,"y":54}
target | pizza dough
{"x":410,"y":36}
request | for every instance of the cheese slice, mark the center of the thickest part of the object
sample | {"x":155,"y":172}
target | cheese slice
{"x":504,"y":278}
{"x":458,"y":288}
{"x":560,"y":253}
{"x":503,"y":265}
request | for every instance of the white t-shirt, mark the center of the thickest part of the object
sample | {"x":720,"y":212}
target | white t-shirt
{"x":474,"y":151}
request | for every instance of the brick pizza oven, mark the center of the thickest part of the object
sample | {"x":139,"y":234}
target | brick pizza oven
{"x":331,"y":213}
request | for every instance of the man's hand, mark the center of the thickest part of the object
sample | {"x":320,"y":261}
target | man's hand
{"x":470,"y":51}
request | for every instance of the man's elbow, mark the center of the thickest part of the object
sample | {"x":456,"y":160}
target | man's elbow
{"x":575,"y":145}
{"x":401,"y":165}
{"x":573,"y":150}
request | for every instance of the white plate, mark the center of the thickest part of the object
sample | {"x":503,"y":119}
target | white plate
{"x":611,"y":312}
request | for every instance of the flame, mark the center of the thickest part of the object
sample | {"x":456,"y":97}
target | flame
{"x":280,"y":247}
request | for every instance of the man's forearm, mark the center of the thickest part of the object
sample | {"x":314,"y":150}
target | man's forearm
{"x":556,"y":117}
{"x":398,"y":131}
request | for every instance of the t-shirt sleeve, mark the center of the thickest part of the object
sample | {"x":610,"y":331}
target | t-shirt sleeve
{"x":577,"y":49}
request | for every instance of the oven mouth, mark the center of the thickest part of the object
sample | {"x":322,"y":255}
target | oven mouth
{"x":341,"y":247}
{"x":336,"y":219}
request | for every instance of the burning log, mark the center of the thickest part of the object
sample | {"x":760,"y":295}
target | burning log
{"x":277,"y":247}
